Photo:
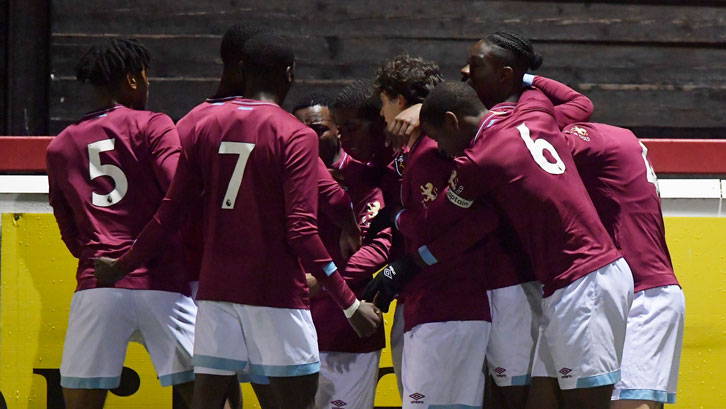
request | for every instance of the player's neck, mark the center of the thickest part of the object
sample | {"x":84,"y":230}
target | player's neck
{"x":230,"y":85}
{"x":414,"y":137}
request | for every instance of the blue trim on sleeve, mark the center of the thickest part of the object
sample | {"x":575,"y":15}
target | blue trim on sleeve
{"x":395,"y":220}
{"x":213,"y":362}
{"x":599,"y":380}
{"x":426,"y":255}
{"x":330,"y":268}
{"x":285,"y":370}
{"x":647,"y":394}
{"x":177,"y":378}
{"x":101,"y":382}
{"x":521,"y":380}
{"x":528,"y":79}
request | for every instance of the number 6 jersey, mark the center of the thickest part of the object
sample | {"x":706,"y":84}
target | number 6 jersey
{"x":107,"y":174}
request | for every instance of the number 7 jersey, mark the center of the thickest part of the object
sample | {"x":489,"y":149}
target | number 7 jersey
{"x":107,"y":174}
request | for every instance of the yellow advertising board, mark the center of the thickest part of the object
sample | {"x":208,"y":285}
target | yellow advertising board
{"x":37,"y":282}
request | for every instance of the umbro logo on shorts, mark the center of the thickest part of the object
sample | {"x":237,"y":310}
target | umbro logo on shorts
{"x":500,"y":372}
{"x":338,"y":404}
{"x":416,"y":397}
{"x":389,"y":272}
{"x":566,"y":372}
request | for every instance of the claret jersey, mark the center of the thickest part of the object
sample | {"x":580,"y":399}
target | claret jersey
{"x":107,"y":174}
{"x":256,"y":165}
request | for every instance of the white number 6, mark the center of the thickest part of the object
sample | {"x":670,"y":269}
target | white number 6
{"x":96,"y":169}
{"x":537,"y":148}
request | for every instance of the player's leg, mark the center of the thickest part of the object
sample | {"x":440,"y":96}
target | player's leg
{"x":544,"y":393}
{"x":166,"y":323}
{"x":442,"y":364}
{"x":397,"y":338}
{"x":283,"y":346}
{"x":347,"y":380}
{"x":510,"y":352}
{"x":220,"y":353}
{"x":100,"y":323}
{"x":265,"y":395}
{"x":584,"y":326}
{"x":652,"y":351}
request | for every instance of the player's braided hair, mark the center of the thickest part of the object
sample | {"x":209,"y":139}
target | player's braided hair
{"x":524,"y":56}
{"x":234,"y":39}
{"x":312,"y":99}
{"x":106,"y":64}
{"x":411,"y":77}
{"x":359,"y":95}
{"x":457,"y":97}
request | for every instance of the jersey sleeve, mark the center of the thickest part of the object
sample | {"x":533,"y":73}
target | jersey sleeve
{"x":333,"y":202}
{"x":570,"y":105}
{"x":481,"y":220}
{"x":170,"y":215}
{"x":165,"y":146}
{"x":62,"y":210}
{"x":300,"y":187}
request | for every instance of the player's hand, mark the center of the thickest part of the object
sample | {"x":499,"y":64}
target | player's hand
{"x":313,"y":284}
{"x":391,"y":279}
{"x":350,"y":241}
{"x":366,"y":319}
{"x":403,"y":126}
{"x":383,"y":220}
{"x":107,"y":270}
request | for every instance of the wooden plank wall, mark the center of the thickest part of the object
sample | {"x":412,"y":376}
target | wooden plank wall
{"x":658,"y":67}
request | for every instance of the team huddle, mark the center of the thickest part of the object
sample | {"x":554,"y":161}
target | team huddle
{"x":523,"y":245}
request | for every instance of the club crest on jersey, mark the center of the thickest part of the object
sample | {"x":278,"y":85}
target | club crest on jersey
{"x":400,"y":164}
{"x":372,"y":209}
{"x":429,"y":193}
{"x":581,"y":132}
{"x":389,"y":272}
{"x":454,"y":183}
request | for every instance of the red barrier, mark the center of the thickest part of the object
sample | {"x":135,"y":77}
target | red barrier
{"x":685,"y":156}
{"x":23,"y":154}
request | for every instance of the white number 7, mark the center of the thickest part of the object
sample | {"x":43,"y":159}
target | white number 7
{"x":243,"y":150}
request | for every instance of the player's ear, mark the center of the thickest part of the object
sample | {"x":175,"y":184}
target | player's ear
{"x":290,"y":73}
{"x":401,"y":101}
{"x":506,"y":74}
{"x":132,"y":81}
{"x":451,"y":122}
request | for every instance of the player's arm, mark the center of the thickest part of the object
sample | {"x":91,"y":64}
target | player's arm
{"x":336,"y":205}
{"x":63,"y":212}
{"x":165,"y":223}
{"x":300,"y":190}
{"x":570,"y":105}
{"x":165,"y":146}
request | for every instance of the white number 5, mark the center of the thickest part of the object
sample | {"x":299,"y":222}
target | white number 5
{"x":96,"y":169}
{"x":537,"y":148}
{"x":243,"y":150}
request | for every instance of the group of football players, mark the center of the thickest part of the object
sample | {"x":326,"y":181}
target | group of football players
{"x":523,"y":245}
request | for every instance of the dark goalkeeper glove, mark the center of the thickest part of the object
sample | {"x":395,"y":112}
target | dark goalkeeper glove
{"x":383,"y":220}
{"x":390,"y":281}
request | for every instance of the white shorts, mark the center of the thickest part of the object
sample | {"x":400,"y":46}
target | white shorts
{"x":653,"y":346}
{"x":347,"y":380}
{"x":101,"y":323}
{"x":516,"y":313}
{"x":397,"y":345}
{"x":275,"y":342}
{"x":582,"y":330}
{"x":442,"y":365}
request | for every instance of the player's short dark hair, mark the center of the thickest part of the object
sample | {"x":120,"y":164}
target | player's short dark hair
{"x":234,"y":39}
{"x":411,"y":77}
{"x":312,"y":99}
{"x":359,"y":95}
{"x":455,"y":96}
{"x":516,"y":50}
{"x":267,"y":55}
{"x":104,"y":65}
